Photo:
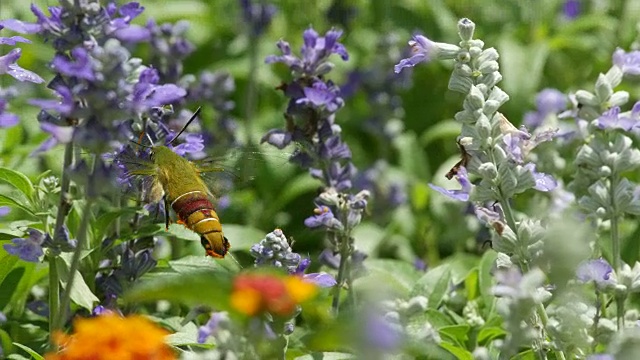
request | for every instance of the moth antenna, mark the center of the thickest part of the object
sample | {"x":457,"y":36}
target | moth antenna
{"x":193,"y":117}
{"x":234,"y":260}
{"x":150,"y":140}
{"x":144,"y":146}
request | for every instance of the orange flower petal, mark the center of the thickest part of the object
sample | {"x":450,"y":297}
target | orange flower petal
{"x":247,"y":301}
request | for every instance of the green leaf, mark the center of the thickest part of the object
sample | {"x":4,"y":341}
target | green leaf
{"x":326,"y":356}
{"x":7,"y":262}
{"x":9,"y":284}
{"x":437,"y":319}
{"x":80,"y":292}
{"x":456,"y":333}
{"x":447,"y":129}
{"x":17,"y":180}
{"x":194,"y":264}
{"x":102,"y":223}
{"x":28,"y":350}
{"x":413,"y":160}
{"x":488,"y":334}
{"x":434,"y":285}
{"x":395,"y":276}
{"x":471,"y":284}
{"x":182,"y":232}
{"x":198,"y":287}
{"x":459,"y":353}
{"x":461,"y":266}
{"x":485,"y":279}
{"x":367,"y":237}
{"x":6,"y":200}
{"x":186,"y":336}
{"x":242,"y":237}
{"x":525,"y":355}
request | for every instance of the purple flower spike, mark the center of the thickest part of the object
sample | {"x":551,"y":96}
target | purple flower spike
{"x":596,"y":270}
{"x":628,"y":62}
{"x":64,"y":106}
{"x":315,"y":52}
{"x":20,"y":26}
{"x":551,"y":101}
{"x":323,"y":217}
{"x":8,"y":66}
{"x":423,"y":50}
{"x":193,"y":143}
{"x":28,"y":249}
{"x":13,"y":40}
{"x":460,"y":195}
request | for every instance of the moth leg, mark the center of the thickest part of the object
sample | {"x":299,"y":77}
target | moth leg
{"x":166,"y":211}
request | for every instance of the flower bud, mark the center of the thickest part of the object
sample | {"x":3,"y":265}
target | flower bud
{"x":586,"y":98}
{"x":446,"y":51}
{"x":603,"y":88}
{"x":475,"y":98}
{"x":488,"y":67}
{"x":466,"y":28}
{"x":614,"y":76}
{"x":488,"y":170}
{"x":460,"y":84}
{"x":618,"y":98}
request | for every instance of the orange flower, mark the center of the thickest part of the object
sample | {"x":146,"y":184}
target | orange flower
{"x":113,"y":337}
{"x":256,"y":293}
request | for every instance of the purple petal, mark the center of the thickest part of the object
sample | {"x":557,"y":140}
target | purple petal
{"x":21,"y":74}
{"x":4,"y":210}
{"x":165,"y":94}
{"x":277,"y":137}
{"x":20,"y":26}
{"x":133,"y":34}
{"x":453,"y":194}
{"x":8,"y":120}
{"x":321,"y":279}
{"x":62,"y":134}
{"x":597,"y":270}
{"x":13,"y":40}
{"x":131,"y":10}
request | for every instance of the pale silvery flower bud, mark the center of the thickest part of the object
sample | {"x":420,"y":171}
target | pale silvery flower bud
{"x":475,"y":98}
{"x":483,"y":127}
{"x":614,"y":76}
{"x":618,"y":98}
{"x":603,"y":88}
{"x":460,"y":84}
{"x":463,"y":70}
{"x":488,"y":67}
{"x":446,"y":51}
{"x":466,"y":28}
{"x":488,"y":170}
{"x":586,"y":98}
{"x":491,"y":79}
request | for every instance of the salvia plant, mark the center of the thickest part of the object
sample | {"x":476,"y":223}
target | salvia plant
{"x":288,"y":181}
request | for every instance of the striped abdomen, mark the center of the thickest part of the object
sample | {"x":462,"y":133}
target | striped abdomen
{"x":196,"y":211}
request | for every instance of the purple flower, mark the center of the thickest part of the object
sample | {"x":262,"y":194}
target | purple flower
{"x":513,"y":146}
{"x":601,"y":357}
{"x":315,"y":52}
{"x":12,"y":40}
{"x":334,"y":149}
{"x":212,"y":326}
{"x":551,"y":101}
{"x":7,"y":119}
{"x":20,"y":26}
{"x":423,"y":51}
{"x":382,"y":333}
{"x":596,"y":270}
{"x":193,"y":143}
{"x":147,"y":94}
{"x":611,"y":119}
{"x":8,"y":66}
{"x":257,"y":14}
{"x":79,"y":65}
{"x":544,"y":182}
{"x":323,"y":217}
{"x":64,"y":106}
{"x":460,"y":195}
{"x":571,"y":9}
{"x":4,"y":210}
{"x":321,"y":279}
{"x":121,"y":28}
{"x":629,"y":62}
{"x":277,"y":137}
{"x":28,"y":249}
{"x":420,"y":265}
{"x":508,"y":282}
{"x":322,"y":95}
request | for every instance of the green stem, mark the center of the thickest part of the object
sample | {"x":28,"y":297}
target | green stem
{"x":63,"y":210}
{"x":342,"y":272}
{"x":251,"y":87}
{"x":615,"y":248}
{"x":54,"y":297}
{"x":75,"y":262}
{"x":540,"y":310}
